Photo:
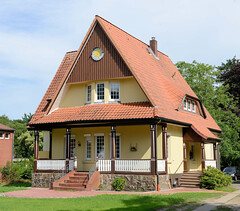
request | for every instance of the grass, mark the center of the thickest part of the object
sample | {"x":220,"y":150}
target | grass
{"x":14,"y":187}
{"x":104,"y":202}
{"x":227,"y":189}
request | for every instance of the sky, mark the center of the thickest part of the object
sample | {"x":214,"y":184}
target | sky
{"x":36,"y":34}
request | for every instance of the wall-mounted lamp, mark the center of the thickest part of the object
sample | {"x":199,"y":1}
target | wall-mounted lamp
{"x":79,"y":144}
{"x":133,"y":148}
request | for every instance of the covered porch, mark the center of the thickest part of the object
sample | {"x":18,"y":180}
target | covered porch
{"x":114,"y":149}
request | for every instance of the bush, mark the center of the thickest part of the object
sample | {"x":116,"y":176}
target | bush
{"x":17,"y":171}
{"x":118,"y":184}
{"x":213,"y":178}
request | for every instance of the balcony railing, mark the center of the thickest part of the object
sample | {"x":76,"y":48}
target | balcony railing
{"x":54,"y":165}
{"x":212,"y":163}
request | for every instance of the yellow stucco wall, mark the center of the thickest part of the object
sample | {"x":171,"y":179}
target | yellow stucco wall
{"x":75,"y":94}
{"x":208,"y":151}
{"x":194,"y":164}
{"x":175,"y":161}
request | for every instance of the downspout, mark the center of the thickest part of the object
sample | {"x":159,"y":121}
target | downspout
{"x":156,"y":159}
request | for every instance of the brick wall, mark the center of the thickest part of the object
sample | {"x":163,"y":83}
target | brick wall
{"x":6,"y":147}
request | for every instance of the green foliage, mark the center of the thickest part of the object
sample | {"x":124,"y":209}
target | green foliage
{"x":204,"y":80}
{"x":23,"y":139}
{"x":118,"y":184}
{"x":17,"y":171}
{"x":213,"y":178}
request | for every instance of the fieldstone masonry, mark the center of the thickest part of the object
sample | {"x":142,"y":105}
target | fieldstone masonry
{"x":135,"y":182}
{"x":44,"y":180}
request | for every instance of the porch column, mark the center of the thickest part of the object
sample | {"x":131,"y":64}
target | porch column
{"x":153,"y":148}
{"x":184,"y":157}
{"x":215,"y":153}
{"x":164,"y":144}
{"x":113,"y":140}
{"x":68,"y":139}
{"x":203,"y":155}
{"x":36,"y":148}
{"x":50,"y":144}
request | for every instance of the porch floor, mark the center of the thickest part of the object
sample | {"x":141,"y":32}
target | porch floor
{"x":47,"y":193}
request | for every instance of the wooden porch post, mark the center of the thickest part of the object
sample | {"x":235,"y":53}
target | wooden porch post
{"x":203,"y":155}
{"x":164,"y":144}
{"x":153,"y":148}
{"x":68,"y":139}
{"x":36,"y":148}
{"x":50,"y":144}
{"x":184,"y":157}
{"x":113,"y":140}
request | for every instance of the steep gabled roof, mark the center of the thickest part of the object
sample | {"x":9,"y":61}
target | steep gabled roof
{"x":5,"y":128}
{"x":158,"y":77}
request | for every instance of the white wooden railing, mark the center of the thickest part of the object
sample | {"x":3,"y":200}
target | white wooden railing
{"x":51,"y":164}
{"x":212,"y":163}
{"x":133,"y":165}
{"x":161,"y":165}
{"x":104,"y":165}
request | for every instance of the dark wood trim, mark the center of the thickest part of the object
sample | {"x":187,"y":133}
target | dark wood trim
{"x":153,"y":148}
{"x":68,"y":140}
{"x":113,"y":140}
{"x":126,"y":172}
{"x":50,"y":144}
{"x":203,"y":155}
{"x":36,"y":149}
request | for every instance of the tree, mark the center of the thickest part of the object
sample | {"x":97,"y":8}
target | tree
{"x":230,"y":76}
{"x":203,"y":79}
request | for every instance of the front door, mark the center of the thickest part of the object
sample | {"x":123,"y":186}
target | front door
{"x":194,"y":156}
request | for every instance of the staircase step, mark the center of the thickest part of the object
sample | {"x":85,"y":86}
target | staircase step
{"x":75,"y":181}
{"x":190,"y":179}
{"x":190,"y":186}
{"x":69,"y":188}
{"x":78,"y":178}
{"x":72,"y":184}
{"x":189,"y":183}
{"x":81,"y":174}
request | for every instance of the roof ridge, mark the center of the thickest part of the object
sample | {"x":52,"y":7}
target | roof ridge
{"x":128,"y":33}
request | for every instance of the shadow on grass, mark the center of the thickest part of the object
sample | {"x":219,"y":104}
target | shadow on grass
{"x":19,"y":184}
{"x":139,"y":203}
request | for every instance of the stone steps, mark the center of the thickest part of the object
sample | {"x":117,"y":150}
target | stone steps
{"x":191,"y":179}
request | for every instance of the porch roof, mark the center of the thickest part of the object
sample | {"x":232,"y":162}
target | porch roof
{"x":114,"y":111}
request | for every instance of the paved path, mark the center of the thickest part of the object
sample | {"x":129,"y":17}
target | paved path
{"x":46,"y":193}
{"x":231,"y":200}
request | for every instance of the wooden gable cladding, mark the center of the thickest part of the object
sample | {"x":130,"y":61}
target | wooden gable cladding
{"x":110,"y":66}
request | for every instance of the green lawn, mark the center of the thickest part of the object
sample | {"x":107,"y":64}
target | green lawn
{"x":227,"y":189}
{"x":14,"y":187}
{"x":103,"y":202}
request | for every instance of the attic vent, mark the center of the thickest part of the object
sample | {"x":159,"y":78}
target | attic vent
{"x":148,"y":51}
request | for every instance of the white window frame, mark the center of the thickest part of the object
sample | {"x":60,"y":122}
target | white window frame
{"x":193,"y":107}
{"x":87,"y":94}
{"x":88,"y":139}
{"x":2,"y":137}
{"x":8,"y":136}
{"x":110,"y":144}
{"x":101,"y":100}
{"x":112,"y":84}
{"x":168,"y":146}
{"x":189,"y":104}
{"x":185,"y":104}
{"x":97,"y":135}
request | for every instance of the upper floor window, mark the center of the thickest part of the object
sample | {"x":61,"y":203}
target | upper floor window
{"x":185,"y":104}
{"x":1,"y":135}
{"x":193,"y":107}
{"x":88,"y":94}
{"x":100,"y":92}
{"x":7,"y":135}
{"x":114,"y":91}
{"x":189,"y":105}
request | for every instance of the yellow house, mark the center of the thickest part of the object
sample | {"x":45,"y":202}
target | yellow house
{"x":119,"y":107}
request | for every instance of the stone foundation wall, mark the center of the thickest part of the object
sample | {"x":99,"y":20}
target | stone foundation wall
{"x":44,"y":180}
{"x":135,"y":182}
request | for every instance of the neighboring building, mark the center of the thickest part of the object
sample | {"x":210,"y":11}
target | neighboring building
{"x":6,"y":144}
{"x":121,"y":105}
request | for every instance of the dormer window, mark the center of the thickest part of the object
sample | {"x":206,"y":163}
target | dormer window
{"x":88,"y":94}
{"x":193,"y":107}
{"x":114,"y":91}
{"x":189,"y":105}
{"x":185,"y":105}
{"x":100,"y":92}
